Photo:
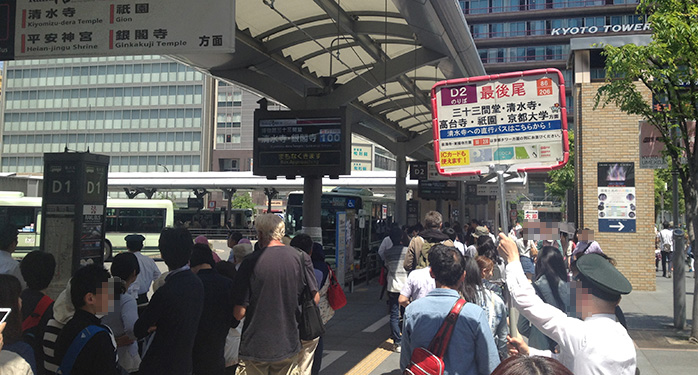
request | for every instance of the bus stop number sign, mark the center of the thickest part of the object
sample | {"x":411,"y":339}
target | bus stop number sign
{"x":517,"y":119}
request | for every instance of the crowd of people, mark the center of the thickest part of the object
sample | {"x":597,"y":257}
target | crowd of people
{"x":563,"y":285}
{"x":205,"y":315}
{"x":212,"y":316}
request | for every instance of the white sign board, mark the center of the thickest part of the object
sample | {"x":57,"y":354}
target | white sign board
{"x":63,"y":28}
{"x":433,"y":175}
{"x":531,"y":215}
{"x":516,"y":119}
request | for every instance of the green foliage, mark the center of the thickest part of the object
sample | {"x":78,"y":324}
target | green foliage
{"x":562,"y":180}
{"x":668,"y":68}
{"x":662,"y":178}
{"x":242,"y":200}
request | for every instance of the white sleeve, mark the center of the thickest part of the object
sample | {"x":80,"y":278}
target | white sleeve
{"x":408,"y":288}
{"x":386,"y":244}
{"x":568,"y":332}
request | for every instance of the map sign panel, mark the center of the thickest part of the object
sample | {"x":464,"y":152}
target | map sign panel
{"x":54,"y":29}
{"x":517,"y":119}
{"x":617,"y":198}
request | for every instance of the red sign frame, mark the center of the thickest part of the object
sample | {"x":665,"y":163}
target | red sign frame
{"x":493,"y":77}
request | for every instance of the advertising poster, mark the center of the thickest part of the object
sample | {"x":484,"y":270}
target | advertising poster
{"x":516,"y":119}
{"x":65,"y":28}
{"x":651,"y":147}
{"x":344,"y":252}
{"x":617,"y":202}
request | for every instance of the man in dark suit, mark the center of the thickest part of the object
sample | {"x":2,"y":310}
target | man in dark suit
{"x":174,"y":310}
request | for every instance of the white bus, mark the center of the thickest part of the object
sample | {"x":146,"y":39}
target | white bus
{"x":124,"y":216}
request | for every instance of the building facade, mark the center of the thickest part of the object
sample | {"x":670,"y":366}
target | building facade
{"x":147,"y":113}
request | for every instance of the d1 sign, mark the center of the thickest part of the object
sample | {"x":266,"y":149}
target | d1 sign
{"x":516,"y":119}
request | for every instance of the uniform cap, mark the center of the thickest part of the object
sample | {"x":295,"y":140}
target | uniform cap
{"x":134,"y":237}
{"x":603,"y":277}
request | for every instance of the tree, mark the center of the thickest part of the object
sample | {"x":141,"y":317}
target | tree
{"x":243,"y":201}
{"x":562,"y":180}
{"x":668,"y":68}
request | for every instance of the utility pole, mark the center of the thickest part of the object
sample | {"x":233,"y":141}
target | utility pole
{"x":678,"y":255}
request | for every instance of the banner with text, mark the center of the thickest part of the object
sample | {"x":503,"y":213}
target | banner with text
{"x":517,"y":119}
{"x":65,"y":28}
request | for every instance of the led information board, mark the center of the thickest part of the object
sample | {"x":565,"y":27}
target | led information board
{"x":301,"y":143}
{"x":447,"y":190}
{"x":62,"y":28}
{"x":517,"y":119}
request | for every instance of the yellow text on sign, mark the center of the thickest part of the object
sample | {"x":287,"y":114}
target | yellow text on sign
{"x":454,"y":158}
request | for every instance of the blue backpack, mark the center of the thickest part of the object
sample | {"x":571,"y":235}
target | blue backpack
{"x":76,"y":347}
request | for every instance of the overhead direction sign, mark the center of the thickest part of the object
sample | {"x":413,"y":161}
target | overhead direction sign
{"x":517,"y":119}
{"x":55,"y":29}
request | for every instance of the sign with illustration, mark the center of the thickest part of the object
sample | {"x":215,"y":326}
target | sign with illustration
{"x":65,"y":28}
{"x":517,"y":119}
{"x":617,"y":202}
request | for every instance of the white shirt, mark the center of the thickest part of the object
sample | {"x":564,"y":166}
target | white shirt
{"x":459,"y":246}
{"x":386,"y":244}
{"x":594,"y":346}
{"x":419,"y":284}
{"x":666,"y":236}
{"x":9,"y":266}
{"x":149,"y":272}
{"x":12,"y":364}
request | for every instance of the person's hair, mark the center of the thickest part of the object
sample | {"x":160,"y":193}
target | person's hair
{"x":123,"y":266}
{"x":484,"y":263}
{"x":432,"y":219}
{"x":551,"y":265}
{"x":396,"y":235}
{"x":134,"y":245}
{"x":201,"y":254}
{"x":476,"y":222}
{"x":531,"y":365}
{"x":226,"y":269}
{"x":666,"y":225}
{"x":86,"y":280}
{"x":417,"y":228}
{"x":318,"y":254}
{"x":473,"y":281}
{"x":10,"y":289}
{"x":446,"y":264}
{"x":485,"y":246}
{"x":303,"y":241}
{"x":235,"y":236}
{"x":38,"y":268}
{"x":450,"y":233}
{"x":8,"y":235}
{"x":269,"y":227}
{"x":175,"y":246}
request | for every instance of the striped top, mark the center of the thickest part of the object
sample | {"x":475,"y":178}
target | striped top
{"x":53,"y":328}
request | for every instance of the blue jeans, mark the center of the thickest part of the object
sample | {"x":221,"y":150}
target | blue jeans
{"x":394,"y":307}
{"x":528,"y":265}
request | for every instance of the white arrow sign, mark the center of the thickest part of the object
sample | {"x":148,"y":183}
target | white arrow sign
{"x":620,"y":226}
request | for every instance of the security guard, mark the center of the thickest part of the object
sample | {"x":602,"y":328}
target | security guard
{"x":149,"y":270}
{"x":598,"y":344}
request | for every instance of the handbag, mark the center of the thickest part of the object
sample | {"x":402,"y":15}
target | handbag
{"x":309,"y":322}
{"x":430,"y":361}
{"x":335,"y":293}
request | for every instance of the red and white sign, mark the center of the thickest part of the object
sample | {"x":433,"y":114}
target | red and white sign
{"x":517,"y":119}
{"x":531,"y":215}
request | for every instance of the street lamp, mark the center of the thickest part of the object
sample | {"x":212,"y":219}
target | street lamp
{"x":166,"y":170}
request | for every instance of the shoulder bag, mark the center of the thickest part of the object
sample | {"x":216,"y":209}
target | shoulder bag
{"x":430,"y":361}
{"x":335,"y":292}
{"x":309,"y":322}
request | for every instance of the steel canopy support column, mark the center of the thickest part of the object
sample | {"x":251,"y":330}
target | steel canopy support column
{"x":312,"y":211}
{"x":400,"y":189}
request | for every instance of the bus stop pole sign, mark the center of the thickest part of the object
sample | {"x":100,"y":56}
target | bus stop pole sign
{"x":73,"y":211}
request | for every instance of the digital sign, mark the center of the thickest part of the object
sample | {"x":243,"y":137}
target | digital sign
{"x":301,"y":143}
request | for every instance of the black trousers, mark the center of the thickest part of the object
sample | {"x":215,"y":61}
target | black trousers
{"x":666,"y":259}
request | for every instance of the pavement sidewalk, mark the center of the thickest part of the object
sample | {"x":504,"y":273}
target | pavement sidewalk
{"x":661,"y":349}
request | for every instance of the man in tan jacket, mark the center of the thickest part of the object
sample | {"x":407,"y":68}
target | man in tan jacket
{"x":416,"y":256}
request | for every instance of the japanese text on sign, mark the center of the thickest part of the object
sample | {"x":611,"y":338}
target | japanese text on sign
{"x":118,"y":27}
{"x":518,"y":117}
